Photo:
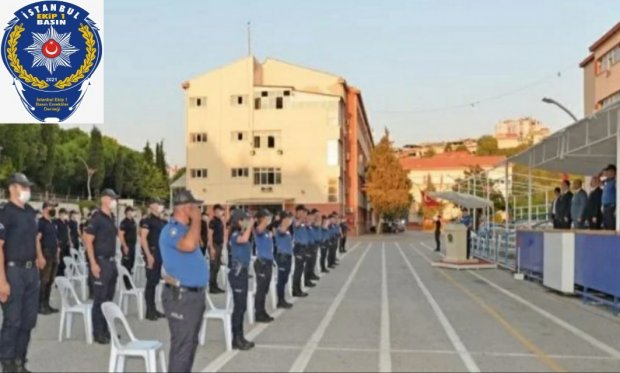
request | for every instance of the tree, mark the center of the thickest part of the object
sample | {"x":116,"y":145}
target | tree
{"x":96,"y":160}
{"x":160,"y":159}
{"x":461,"y":148}
{"x":48,"y":166}
{"x":387,"y":183}
{"x":119,"y":165}
{"x":448,"y":148}
{"x":487,"y":145}
{"x":148,"y":153}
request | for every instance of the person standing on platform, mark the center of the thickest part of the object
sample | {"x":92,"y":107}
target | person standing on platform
{"x":554,"y":208}
{"x":100,"y":240}
{"x":564,"y":206}
{"x":128,"y":234}
{"x":438,"y":233}
{"x":263,"y":266}
{"x":344,"y":229}
{"x":284,"y":257}
{"x":578,"y":204}
{"x":150,"y":229}
{"x":609,"y":198}
{"x":64,"y":240}
{"x":216,"y":245}
{"x":593,"y":214}
{"x":187,"y":276}
{"x":301,"y":236}
{"x":48,"y":239}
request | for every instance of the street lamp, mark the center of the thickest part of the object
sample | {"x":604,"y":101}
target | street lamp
{"x":551,"y":101}
{"x":89,"y":174}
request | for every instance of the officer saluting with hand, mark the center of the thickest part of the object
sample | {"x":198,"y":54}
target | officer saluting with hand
{"x":187,"y":275}
{"x":100,"y":241}
{"x":19,"y":277}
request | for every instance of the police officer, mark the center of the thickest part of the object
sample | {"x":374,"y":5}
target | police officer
{"x":187,"y":275}
{"x":128,"y":233}
{"x":64,"y":242}
{"x":19,"y":277}
{"x":241,"y":225}
{"x":334,"y":236}
{"x":344,"y":229}
{"x":48,"y":239}
{"x":150,"y":229}
{"x":100,"y":241}
{"x":74,"y":229}
{"x":216,"y":245}
{"x":324,"y":243}
{"x":263,"y":266}
{"x":302,"y":244}
{"x":284,"y":256}
{"x":316,"y":235}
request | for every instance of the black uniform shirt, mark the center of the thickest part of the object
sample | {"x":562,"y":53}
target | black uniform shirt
{"x":217,"y":227}
{"x":18,"y":230}
{"x":74,"y":232}
{"x":103,"y":228}
{"x":154,"y":224}
{"x":128,"y":226}
{"x":62,"y":227}
{"x":344,"y":228}
{"x":49,"y":235}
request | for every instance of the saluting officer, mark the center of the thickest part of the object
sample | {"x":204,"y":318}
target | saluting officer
{"x":48,"y":239}
{"x":187,"y":275}
{"x":241,"y":225}
{"x":302,"y":242}
{"x":324,"y":243}
{"x":284,"y":256}
{"x":100,"y":241}
{"x":334,"y":234}
{"x":19,"y":277}
{"x":263,"y":266}
{"x":314,"y":225}
{"x":150,"y":229}
{"x":128,"y":234}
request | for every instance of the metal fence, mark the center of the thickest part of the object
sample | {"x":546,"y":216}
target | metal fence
{"x":497,"y":244}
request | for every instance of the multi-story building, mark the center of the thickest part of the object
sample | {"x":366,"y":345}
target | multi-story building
{"x":273,"y":135}
{"x":422,"y":149}
{"x":601,"y":72}
{"x":515,"y":132}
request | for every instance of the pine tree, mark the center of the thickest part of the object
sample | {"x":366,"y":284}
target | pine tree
{"x":388,"y":185}
{"x":119,"y":165}
{"x":96,"y":160}
{"x":49,"y":136}
{"x":148,"y":153}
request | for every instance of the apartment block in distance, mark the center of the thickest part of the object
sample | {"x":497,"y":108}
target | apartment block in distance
{"x":601,"y":72}
{"x":273,"y":135}
{"x":515,"y":132}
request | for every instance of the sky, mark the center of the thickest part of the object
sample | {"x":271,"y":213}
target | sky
{"x":419,"y":63}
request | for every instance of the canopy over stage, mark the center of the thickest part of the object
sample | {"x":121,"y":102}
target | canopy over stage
{"x":464,"y":200}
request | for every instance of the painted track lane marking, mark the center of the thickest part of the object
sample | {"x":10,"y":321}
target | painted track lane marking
{"x":385,"y":356}
{"x":458,"y":345}
{"x":303,"y":358}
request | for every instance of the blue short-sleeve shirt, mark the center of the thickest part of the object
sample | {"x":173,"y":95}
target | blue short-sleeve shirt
{"x":284,"y":242}
{"x":264,"y":245}
{"x":241,"y":252}
{"x":302,"y":235}
{"x":191,"y":269}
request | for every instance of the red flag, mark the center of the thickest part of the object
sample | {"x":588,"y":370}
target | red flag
{"x":429,"y":201}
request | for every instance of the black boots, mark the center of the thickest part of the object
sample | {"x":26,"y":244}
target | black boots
{"x":284,"y":304}
{"x":242,"y":344}
{"x":299,"y":294}
{"x":310,"y":284}
{"x":214,"y":289}
{"x":154,"y":315}
{"x":263,"y":317}
{"x":9,"y":366}
{"x":20,"y":366}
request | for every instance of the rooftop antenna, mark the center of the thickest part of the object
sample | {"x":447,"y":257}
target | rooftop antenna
{"x":249,"y":38}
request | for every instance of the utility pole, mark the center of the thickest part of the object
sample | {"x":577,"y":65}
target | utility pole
{"x":89,"y":175}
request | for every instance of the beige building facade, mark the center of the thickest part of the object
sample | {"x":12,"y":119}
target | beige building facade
{"x":515,"y":132}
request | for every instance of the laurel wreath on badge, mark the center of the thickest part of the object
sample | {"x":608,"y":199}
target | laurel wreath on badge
{"x":91,"y":53}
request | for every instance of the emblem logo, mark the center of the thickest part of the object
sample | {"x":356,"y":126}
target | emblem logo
{"x":51,"y":49}
{"x":450,"y":238}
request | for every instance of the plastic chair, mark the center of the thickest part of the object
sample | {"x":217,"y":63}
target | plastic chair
{"x":148,"y":350}
{"x":138,"y":268}
{"x":74,"y":274}
{"x":71,"y":304}
{"x":136,"y":292}
{"x":273,"y":288}
{"x":251,"y":292}
{"x":214,"y":313}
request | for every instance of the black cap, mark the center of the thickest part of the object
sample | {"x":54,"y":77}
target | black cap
{"x":263,"y":213}
{"x":301,"y":208}
{"x":62,"y":211}
{"x":109,"y":193}
{"x":237,"y":215}
{"x":610,"y":167}
{"x":183,"y":197}
{"x":47,"y":204}
{"x":21,"y":179}
{"x":155,"y":200}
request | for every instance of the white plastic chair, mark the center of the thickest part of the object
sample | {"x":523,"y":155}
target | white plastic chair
{"x":273,"y":288}
{"x":159,"y":289}
{"x":136,"y":292}
{"x":223,"y":314}
{"x":138,"y":268}
{"x":251,"y":292}
{"x":147,"y":350}
{"x":71,"y":304}
{"x":74,"y":274}
{"x":80,"y":260}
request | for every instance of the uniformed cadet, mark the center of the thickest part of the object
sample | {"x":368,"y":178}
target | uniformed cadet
{"x":344,"y":229}
{"x":100,"y":241}
{"x":316,"y":234}
{"x":150,"y":229}
{"x":301,"y":237}
{"x":216,"y":245}
{"x":263,"y":266}
{"x":187,"y":275}
{"x":204,"y":233}
{"x":324,"y":243}
{"x":48,"y":239}
{"x":241,"y":226}
{"x":64,"y":241}
{"x":334,"y":234}
{"x":20,"y":256}
{"x":128,"y":234}
{"x":284,"y":256}
{"x":74,"y":229}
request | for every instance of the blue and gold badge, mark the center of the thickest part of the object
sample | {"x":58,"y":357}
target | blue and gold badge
{"x":51,"y":48}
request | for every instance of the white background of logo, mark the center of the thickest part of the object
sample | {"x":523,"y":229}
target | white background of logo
{"x":90,"y":110}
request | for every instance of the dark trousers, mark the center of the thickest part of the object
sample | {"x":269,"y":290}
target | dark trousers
{"x":128,"y":261}
{"x":311,"y":257}
{"x":238,"y":279}
{"x":300,"y":261}
{"x":153,"y":277}
{"x":468,"y":243}
{"x":332,"y":247}
{"x":64,"y":251}
{"x":263,"y":270}
{"x":284,"y":270}
{"x":19,"y":312}
{"x":437,"y":240}
{"x":184,"y":312}
{"x":47,"y":275}
{"x":324,"y":251}
{"x":343,"y":244}
{"x":104,"y":288}
{"x":595,"y":225}
{"x":215,"y":264}
{"x":609,"y":217}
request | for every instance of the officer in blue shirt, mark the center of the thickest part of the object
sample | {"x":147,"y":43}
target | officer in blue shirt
{"x":325,"y":238}
{"x":302,"y":244}
{"x":332,"y":242}
{"x":609,"y":198}
{"x":284,"y":245}
{"x":241,"y":226}
{"x":187,"y":275}
{"x":316,"y":235}
{"x":263,"y":266}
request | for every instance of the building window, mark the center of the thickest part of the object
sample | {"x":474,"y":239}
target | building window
{"x":267,"y":176}
{"x":332,"y":152}
{"x":332,"y":190}
{"x":610,"y":100}
{"x":264,"y":94}
{"x":271,"y":142}
{"x":287,"y":93}
{"x":257,"y":103}
{"x":279,"y":103}
{"x":239,"y":172}
{"x":198,"y":173}
{"x":238,"y":100}
{"x":268,"y":139}
{"x":257,"y":142}
{"x":197,"y":101}
{"x":237,"y":136}
{"x":608,"y":60}
{"x":199,"y":137}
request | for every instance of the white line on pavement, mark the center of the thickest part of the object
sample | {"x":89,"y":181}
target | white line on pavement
{"x":223,"y":359}
{"x":303,"y":359}
{"x":431,"y":249}
{"x":576,"y":331}
{"x":469,"y":362}
{"x":385,"y":357}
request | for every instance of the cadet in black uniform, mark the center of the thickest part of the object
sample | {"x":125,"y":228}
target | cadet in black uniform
{"x":344,"y":229}
{"x":48,"y":239}
{"x":324,"y":243}
{"x":216,"y":244}
{"x":74,"y":229}
{"x":284,"y":245}
{"x":128,"y":233}
{"x":316,"y":236}
{"x":19,"y":277}
{"x":100,"y":241}
{"x":150,"y":229}
{"x":64,"y":242}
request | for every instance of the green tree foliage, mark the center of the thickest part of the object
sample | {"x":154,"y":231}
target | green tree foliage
{"x":160,"y":159}
{"x":487,"y":145}
{"x":48,"y":166}
{"x":96,"y":160}
{"x":461,"y":148}
{"x":479,"y":188}
{"x":388,"y":185}
{"x":148,"y":153}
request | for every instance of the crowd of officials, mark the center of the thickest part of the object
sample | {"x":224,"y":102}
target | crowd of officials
{"x":186,"y":251}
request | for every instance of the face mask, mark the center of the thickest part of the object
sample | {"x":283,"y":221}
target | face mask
{"x":159,"y":209}
{"x":63,"y":217}
{"x":113,"y":205}
{"x":24,"y":196}
{"x":52,"y":213}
